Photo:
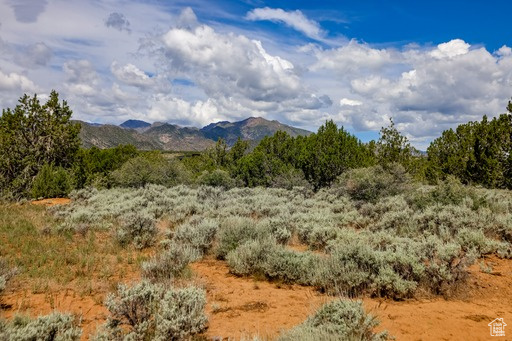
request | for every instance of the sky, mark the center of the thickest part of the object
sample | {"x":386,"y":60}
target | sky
{"x":428,"y":65}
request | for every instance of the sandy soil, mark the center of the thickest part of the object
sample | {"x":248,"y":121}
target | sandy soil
{"x":240,"y":307}
{"x":244,"y":306}
{"x":52,"y":201}
{"x":488,"y":296}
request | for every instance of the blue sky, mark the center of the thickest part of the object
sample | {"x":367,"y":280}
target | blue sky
{"x":428,"y":65}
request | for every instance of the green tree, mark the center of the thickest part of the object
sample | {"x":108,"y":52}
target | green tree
{"x":150,"y":168}
{"x":33,"y":135}
{"x":393,"y":147}
{"x":328,"y":153}
{"x":93,"y":166}
{"x":475,"y":152}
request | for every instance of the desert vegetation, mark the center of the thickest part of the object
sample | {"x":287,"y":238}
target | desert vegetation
{"x":350,"y":219}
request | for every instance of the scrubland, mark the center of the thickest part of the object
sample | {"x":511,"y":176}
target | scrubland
{"x":373,"y":233}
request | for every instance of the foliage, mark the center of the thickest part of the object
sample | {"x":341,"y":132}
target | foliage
{"x":93,"y":166}
{"x":150,"y":168}
{"x":338,"y":320}
{"x":138,"y":229}
{"x":373,"y":183}
{"x":216,"y":178}
{"x":475,"y":152}
{"x":6,"y":273}
{"x":53,"y":327}
{"x":51,"y":182}
{"x":148,"y":311}
{"x":170,"y":263}
{"x":328,"y":153}
{"x":376,"y":232}
{"x":31,"y":136}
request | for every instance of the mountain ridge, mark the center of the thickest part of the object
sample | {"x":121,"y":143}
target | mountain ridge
{"x":167,"y":136}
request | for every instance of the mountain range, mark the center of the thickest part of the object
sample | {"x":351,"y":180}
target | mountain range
{"x":166,"y":136}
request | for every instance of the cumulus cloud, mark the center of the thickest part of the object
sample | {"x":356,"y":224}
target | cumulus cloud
{"x":118,"y":21}
{"x":82,"y":78}
{"x":453,"y":48}
{"x":426,"y":90}
{"x":355,"y":58}
{"x":131,"y":75}
{"x":15,"y":81}
{"x":226,"y":64}
{"x":294,"y":19}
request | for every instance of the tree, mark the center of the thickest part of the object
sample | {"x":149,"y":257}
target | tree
{"x":475,"y":152}
{"x":328,"y":153}
{"x":393,"y":147}
{"x":31,"y":136}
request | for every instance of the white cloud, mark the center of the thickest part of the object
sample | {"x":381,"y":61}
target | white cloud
{"x":231,"y":66}
{"x":294,"y":19}
{"x":350,"y":102}
{"x":355,"y":58}
{"x":131,"y":75}
{"x":14,"y":81}
{"x":453,"y":48}
{"x":223,"y":72}
{"x":426,"y":90}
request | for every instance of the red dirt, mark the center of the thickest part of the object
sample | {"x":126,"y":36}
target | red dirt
{"x":240,"y":307}
{"x":488,"y":296}
{"x":89,"y":309}
{"x":246,"y":307}
{"x":52,"y":201}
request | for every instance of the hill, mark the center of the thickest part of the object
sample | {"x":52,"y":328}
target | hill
{"x":166,"y":136}
{"x":251,"y":129}
{"x":135,"y":124}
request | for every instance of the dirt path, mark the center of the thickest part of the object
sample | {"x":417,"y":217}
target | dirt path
{"x":245,"y":307}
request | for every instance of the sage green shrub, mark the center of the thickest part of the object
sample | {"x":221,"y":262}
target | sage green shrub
{"x":197,"y":233}
{"x":56,"y":326}
{"x":169,"y":263}
{"x":233,"y":232}
{"x":148,"y":311}
{"x":338,"y":320}
{"x":6,"y":273}
{"x":138,"y":229}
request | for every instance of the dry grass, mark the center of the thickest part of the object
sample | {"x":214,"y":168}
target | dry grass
{"x":48,"y":261}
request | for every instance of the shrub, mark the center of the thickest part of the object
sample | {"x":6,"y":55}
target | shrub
{"x":370,"y":184}
{"x":150,"y":312}
{"x":138,"y":229}
{"x":169,"y":264}
{"x":264,"y":257}
{"x":198,"y":234}
{"x":233,"y":232}
{"x":55,"y":326}
{"x":180,"y":314}
{"x":216,"y":178}
{"x":51,"y":182}
{"x":291,"y":266}
{"x":6,"y":273}
{"x":150,"y":168}
{"x":249,"y":257}
{"x":338,"y":320}
{"x":289,"y":179}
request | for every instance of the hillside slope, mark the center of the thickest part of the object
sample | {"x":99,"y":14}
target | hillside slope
{"x":165,"y":136}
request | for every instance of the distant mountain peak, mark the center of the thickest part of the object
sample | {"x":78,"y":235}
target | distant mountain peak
{"x":134,"y":124}
{"x":167,"y":136}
